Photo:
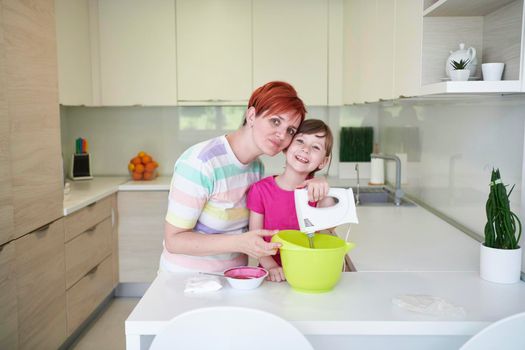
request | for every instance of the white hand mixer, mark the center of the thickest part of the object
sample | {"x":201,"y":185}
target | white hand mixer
{"x":312,"y":219}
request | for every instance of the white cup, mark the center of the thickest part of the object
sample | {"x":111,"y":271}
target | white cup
{"x":492,"y":71}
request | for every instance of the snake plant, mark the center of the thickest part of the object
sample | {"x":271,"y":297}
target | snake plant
{"x":459,"y":65}
{"x":503,"y":227}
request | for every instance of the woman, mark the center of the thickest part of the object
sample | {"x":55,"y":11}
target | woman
{"x":207,"y":217}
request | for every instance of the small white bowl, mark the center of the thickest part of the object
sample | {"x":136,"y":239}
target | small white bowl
{"x":245,"y":277}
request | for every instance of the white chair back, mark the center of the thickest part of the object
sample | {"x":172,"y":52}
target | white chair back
{"x":506,"y":334}
{"x":231,"y":328}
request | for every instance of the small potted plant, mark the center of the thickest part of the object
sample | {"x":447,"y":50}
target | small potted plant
{"x":459,"y":70}
{"x":500,"y":255}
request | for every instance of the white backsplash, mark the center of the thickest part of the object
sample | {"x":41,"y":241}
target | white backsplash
{"x":116,"y":134}
{"x":451,"y":147}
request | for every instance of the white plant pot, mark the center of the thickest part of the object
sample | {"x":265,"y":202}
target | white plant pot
{"x":459,"y":75}
{"x":500,"y":265}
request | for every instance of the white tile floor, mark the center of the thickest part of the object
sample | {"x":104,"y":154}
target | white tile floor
{"x":107,"y":331}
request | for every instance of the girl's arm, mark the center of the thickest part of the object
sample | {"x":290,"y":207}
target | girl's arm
{"x":317,"y":188}
{"x":276,"y":273}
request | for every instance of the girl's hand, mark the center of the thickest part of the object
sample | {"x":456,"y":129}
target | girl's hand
{"x":317,"y":188}
{"x":276,"y":274}
{"x":253,"y":244}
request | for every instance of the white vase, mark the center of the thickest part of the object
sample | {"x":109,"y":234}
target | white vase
{"x":459,"y":74}
{"x":500,"y":265}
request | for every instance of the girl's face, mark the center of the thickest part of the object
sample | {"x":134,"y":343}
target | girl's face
{"x":307,"y":153}
{"x":273,"y":133}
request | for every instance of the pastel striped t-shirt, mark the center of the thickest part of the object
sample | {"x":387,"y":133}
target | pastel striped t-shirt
{"x":208,"y":194}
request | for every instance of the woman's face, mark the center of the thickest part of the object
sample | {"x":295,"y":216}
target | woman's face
{"x":273,"y":133}
{"x":307,"y":153}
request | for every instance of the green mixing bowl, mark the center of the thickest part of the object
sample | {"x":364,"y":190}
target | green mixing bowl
{"x":310,"y":270}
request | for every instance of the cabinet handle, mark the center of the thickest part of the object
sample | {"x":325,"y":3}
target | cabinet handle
{"x":91,"y":205}
{"x":92,"y":271}
{"x":42,"y":228}
{"x":91,"y":229}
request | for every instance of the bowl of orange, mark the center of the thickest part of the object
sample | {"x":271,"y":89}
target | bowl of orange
{"x":143,"y":167}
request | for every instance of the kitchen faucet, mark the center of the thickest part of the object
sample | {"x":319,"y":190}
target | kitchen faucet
{"x":357,"y":194}
{"x":398,"y":192}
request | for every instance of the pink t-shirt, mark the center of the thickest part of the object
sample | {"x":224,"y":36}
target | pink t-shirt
{"x":277,"y":205}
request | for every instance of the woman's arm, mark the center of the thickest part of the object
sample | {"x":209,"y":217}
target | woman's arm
{"x":183,"y":241}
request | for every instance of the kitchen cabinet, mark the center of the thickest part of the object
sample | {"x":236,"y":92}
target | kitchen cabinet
{"x":137,"y":52}
{"x":141,"y":233}
{"x":290,"y":43}
{"x":31,"y":142}
{"x":114,"y":238}
{"x":89,"y":261}
{"x":77,"y":52}
{"x":6,"y":202}
{"x":40,"y":284}
{"x":408,"y":30}
{"x":492,"y":27}
{"x":8,"y":302}
{"x":369,"y":50}
{"x":214,"y":51}
{"x":382,"y":49}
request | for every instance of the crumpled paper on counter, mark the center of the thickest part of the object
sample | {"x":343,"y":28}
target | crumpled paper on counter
{"x":202,"y":284}
{"x":428,"y":304}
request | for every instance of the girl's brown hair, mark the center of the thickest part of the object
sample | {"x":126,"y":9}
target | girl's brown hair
{"x":317,"y":126}
{"x":276,"y":97}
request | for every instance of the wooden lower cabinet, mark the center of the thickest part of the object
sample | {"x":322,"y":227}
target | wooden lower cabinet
{"x":114,"y":237}
{"x":8,"y":302}
{"x":141,"y":233}
{"x":41,"y":288}
{"x":87,"y":294}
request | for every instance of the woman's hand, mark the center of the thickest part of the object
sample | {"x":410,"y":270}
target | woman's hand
{"x":317,"y":188}
{"x":253,"y":244}
{"x":276,"y":274}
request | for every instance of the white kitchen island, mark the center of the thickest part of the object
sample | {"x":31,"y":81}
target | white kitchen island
{"x":358,"y":313}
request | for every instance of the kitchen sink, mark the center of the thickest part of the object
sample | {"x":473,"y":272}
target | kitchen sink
{"x":378,"y":196}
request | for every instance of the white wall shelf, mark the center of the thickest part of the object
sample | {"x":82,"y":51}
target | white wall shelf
{"x":448,"y":8}
{"x":493,"y":27}
{"x":459,"y":87}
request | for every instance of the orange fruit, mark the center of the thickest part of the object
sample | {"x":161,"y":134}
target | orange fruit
{"x":131,"y":167}
{"x":136,"y":160}
{"x":141,"y":154}
{"x":146,"y":159}
{"x":136,"y":176}
{"x":156,"y":164}
{"x":139,"y":168}
{"x":150,"y":166}
{"x":148,"y":175}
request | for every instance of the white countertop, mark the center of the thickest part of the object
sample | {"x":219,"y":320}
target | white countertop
{"x":408,"y":239}
{"x":361,"y":304}
{"x":83,"y":193}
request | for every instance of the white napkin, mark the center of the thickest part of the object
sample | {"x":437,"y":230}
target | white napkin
{"x":202,"y":284}
{"x":428,"y":304}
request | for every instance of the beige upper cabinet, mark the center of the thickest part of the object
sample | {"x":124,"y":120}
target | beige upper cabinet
{"x":31,"y":94}
{"x":137,"y":52}
{"x":381,"y":50}
{"x":76,"y":65}
{"x":214,"y":51}
{"x":407,"y":48}
{"x":290,"y":43}
{"x":368,"y":50}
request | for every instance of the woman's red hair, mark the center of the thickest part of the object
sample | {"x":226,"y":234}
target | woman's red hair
{"x":277,"y":97}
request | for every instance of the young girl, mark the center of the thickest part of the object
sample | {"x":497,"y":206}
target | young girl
{"x":271,"y":200}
